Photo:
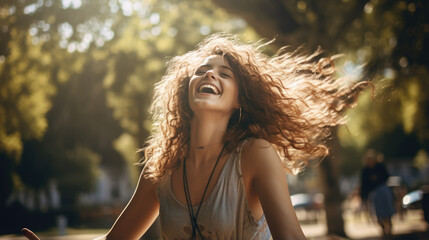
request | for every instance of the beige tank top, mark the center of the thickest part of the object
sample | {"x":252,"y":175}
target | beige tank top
{"x":225,"y":214}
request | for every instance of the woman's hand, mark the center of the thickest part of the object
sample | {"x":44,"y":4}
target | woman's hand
{"x":29,"y":234}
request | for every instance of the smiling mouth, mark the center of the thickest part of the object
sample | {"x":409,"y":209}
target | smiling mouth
{"x":210,"y":89}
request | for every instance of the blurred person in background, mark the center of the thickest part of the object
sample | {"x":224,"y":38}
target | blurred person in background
{"x":374,"y":191}
{"x":228,"y":120}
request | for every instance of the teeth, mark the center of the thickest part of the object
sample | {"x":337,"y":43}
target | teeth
{"x":213,"y":88}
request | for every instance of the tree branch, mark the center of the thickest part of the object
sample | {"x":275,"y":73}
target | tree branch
{"x":269,"y":18}
{"x":350,"y":17}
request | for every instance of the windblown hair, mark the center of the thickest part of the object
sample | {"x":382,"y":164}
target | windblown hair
{"x":291,"y":100}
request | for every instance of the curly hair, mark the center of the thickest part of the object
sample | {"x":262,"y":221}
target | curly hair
{"x":289,"y":99}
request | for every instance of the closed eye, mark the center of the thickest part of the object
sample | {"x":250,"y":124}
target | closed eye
{"x":201,"y":70}
{"x":225,"y":75}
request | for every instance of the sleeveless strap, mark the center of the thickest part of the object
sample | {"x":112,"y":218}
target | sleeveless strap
{"x":238,"y":158}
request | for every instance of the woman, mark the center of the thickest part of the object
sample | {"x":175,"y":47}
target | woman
{"x":375,"y":192}
{"x":227,"y":121}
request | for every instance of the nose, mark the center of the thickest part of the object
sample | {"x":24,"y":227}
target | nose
{"x":209,"y":74}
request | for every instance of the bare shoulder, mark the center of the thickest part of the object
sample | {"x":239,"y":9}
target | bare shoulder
{"x":146,"y":182}
{"x":259,"y":155}
{"x":146,"y":187}
{"x":259,"y":150}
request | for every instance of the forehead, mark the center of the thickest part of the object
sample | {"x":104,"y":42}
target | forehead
{"x":214,"y":60}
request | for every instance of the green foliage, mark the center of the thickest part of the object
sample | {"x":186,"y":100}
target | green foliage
{"x":392,"y":33}
{"x":382,"y":40}
{"x":77,"y":170}
{"x":77,"y":79}
{"x":24,"y":95}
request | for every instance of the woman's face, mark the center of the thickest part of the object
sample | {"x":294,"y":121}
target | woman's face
{"x":213,"y":87}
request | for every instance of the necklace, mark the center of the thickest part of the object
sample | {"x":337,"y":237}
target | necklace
{"x":206,"y":146}
{"x":192,"y":216}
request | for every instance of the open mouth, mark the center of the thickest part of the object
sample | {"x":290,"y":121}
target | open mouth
{"x":208,"y":88}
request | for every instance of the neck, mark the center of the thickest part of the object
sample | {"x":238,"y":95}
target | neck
{"x":206,"y":137}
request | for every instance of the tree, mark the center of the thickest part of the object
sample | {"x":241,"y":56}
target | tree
{"x":399,"y":58}
{"x":25,"y":90}
{"x":388,"y":36}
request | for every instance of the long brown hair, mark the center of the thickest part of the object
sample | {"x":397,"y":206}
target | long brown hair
{"x":290,"y":99}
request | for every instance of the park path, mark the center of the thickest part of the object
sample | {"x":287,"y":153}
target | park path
{"x":411,"y":227}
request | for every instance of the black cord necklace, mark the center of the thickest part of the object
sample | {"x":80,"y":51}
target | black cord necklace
{"x":192,"y":216}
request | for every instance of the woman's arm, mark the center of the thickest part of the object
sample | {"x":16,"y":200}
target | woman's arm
{"x":268,"y":182}
{"x":138,"y":215}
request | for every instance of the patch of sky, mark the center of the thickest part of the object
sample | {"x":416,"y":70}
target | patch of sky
{"x":127,"y":7}
{"x":205,"y":30}
{"x":172,"y":32}
{"x":75,"y":4}
{"x":352,"y":71}
{"x":154,"y":18}
{"x":156,"y":30}
{"x":66,"y":30}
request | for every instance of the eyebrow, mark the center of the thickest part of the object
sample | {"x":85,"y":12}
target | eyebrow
{"x":221,"y":66}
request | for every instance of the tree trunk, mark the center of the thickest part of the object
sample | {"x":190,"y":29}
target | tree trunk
{"x":270,"y":18}
{"x":329,"y":174}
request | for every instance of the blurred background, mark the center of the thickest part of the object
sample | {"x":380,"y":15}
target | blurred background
{"x":76,"y":80}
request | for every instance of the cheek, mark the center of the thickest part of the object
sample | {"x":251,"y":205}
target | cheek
{"x":235,"y":95}
{"x":191,"y":85}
